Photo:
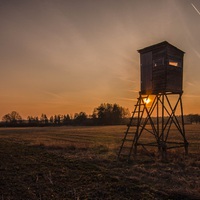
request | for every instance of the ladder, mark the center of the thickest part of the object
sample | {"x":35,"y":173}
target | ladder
{"x":132,"y":133}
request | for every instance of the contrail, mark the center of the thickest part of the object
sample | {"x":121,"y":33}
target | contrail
{"x":195,"y":8}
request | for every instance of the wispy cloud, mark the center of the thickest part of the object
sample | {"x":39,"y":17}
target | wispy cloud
{"x":196,"y":52}
{"x":195,"y":8}
{"x":52,"y":94}
{"x":190,"y":83}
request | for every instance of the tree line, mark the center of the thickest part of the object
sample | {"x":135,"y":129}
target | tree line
{"x":104,"y":114}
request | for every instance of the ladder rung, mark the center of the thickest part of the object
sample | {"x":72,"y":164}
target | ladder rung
{"x":144,"y":97}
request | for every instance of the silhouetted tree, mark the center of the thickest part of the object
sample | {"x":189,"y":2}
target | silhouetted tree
{"x":51,"y":120}
{"x":66,"y":120}
{"x":94,"y":117}
{"x":33,"y":121}
{"x":110,"y":114}
{"x":36,"y":120}
{"x":80,"y":118}
{"x":12,"y":117}
{"x":57,"y":119}
{"x":193,"y":118}
{"x":44,"y":119}
{"x":30,"y":119}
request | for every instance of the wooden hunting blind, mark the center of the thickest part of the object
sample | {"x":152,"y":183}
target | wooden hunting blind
{"x":161,"y":69}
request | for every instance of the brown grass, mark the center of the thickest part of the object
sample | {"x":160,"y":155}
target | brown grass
{"x":83,"y":161}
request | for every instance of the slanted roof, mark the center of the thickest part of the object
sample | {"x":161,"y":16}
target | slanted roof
{"x":163,"y":44}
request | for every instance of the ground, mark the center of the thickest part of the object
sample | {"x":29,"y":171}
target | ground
{"x":81,"y":163}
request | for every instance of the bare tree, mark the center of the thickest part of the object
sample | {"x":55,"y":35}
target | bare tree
{"x":12,"y":117}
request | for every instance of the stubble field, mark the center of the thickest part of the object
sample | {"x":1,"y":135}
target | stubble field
{"x":81,"y":163}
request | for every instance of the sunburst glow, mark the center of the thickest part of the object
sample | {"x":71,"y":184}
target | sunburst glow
{"x":147,"y":100}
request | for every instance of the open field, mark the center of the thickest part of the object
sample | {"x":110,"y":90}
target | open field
{"x":81,"y":163}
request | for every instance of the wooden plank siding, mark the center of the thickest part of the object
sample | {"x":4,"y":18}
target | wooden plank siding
{"x":161,"y":69}
{"x":146,"y":72}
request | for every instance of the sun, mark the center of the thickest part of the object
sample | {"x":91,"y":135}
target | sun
{"x":147,"y":100}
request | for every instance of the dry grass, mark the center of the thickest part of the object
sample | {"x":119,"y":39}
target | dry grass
{"x":81,"y":163}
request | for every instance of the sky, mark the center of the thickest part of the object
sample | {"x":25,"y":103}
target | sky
{"x":68,"y":56}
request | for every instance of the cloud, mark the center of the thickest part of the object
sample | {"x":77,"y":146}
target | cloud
{"x":196,"y":52}
{"x":195,"y":9}
{"x":190,"y":83}
{"x":51,"y":94}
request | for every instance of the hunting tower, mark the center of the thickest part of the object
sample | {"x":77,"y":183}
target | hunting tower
{"x":161,"y":69}
{"x":155,"y":112}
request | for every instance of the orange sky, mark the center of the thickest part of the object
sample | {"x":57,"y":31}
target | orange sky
{"x":64,"y":56}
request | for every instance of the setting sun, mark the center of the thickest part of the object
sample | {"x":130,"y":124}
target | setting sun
{"x":147,"y":100}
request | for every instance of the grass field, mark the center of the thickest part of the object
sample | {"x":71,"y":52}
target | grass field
{"x":81,"y":163}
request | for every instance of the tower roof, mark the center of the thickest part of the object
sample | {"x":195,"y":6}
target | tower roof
{"x":163,"y":44}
